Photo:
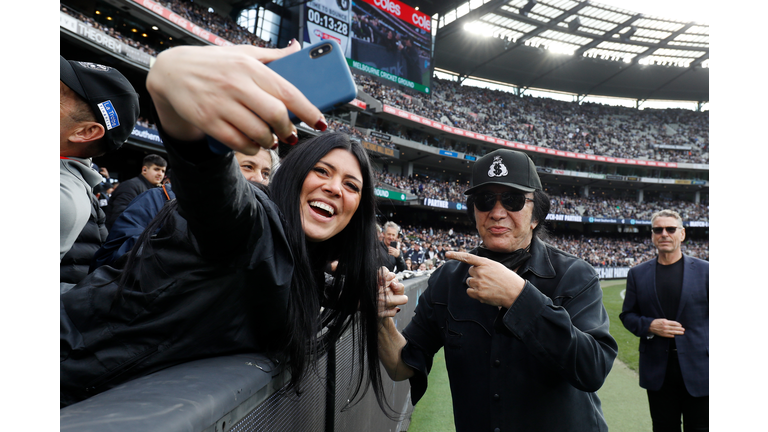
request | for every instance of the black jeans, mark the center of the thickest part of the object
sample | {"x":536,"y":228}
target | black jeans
{"x":673,"y":401}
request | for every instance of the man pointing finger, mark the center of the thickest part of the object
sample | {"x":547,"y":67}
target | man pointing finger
{"x":522,"y":323}
{"x":489,"y":282}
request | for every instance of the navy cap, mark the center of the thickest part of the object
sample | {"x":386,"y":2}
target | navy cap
{"x":507,"y":168}
{"x":110,"y":95}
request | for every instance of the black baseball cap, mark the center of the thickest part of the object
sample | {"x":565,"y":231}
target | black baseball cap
{"x":110,"y":95}
{"x":507,"y":168}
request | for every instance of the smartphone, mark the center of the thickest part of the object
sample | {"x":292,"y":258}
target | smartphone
{"x":393,"y":244}
{"x":320,"y":72}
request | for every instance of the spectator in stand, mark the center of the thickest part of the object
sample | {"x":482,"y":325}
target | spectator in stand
{"x":441,"y":250}
{"x":139,"y":214}
{"x":431,"y":253}
{"x":259,"y":167}
{"x":98,"y":107}
{"x":101,"y":190}
{"x":151,"y":176}
{"x":391,"y":247}
{"x":415,"y":254}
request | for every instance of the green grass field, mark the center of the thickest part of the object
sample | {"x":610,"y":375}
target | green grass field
{"x":612,"y":300}
{"x":625,"y":404}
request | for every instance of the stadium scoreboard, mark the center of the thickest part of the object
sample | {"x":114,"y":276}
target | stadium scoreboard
{"x":384,"y":38}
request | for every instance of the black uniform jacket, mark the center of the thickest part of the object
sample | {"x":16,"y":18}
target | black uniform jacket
{"x":213,"y":282}
{"x":535,"y":367}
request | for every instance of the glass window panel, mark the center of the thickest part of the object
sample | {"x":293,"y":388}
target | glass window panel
{"x":462,"y":10}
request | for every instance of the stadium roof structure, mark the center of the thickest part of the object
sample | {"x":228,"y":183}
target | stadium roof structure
{"x":579,"y":47}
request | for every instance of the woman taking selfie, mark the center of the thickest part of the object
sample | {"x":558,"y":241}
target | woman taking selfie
{"x":234,"y":268}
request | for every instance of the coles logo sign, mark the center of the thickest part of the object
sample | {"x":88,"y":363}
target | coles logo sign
{"x":422,"y":21}
{"x":389,"y":6}
{"x":404,"y":12}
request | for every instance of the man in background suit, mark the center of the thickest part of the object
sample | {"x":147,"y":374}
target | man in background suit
{"x":667,"y":306}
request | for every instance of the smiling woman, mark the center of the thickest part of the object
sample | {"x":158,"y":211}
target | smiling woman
{"x":330,"y":195}
{"x":245,"y":265}
{"x":231,"y":266}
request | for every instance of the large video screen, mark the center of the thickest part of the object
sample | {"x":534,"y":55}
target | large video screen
{"x":384,"y":38}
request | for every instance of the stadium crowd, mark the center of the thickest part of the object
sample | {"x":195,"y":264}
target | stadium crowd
{"x":561,"y":204}
{"x":110,"y":31}
{"x":584,"y":128}
{"x":224,"y":27}
{"x":673,"y":135}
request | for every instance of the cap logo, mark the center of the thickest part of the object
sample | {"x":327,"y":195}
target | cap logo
{"x":111,"y":120}
{"x":94,"y":66}
{"x":497,"y":169}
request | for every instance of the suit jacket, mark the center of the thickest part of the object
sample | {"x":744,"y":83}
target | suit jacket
{"x":642,"y":306}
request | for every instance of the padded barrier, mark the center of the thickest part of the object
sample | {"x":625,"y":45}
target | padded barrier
{"x":246,"y":392}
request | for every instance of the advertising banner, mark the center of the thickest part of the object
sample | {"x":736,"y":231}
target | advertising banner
{"x":383,"y":193}
{"x":381,"y":149}
{"x":615,"y":221}
{"x":146,"y":134}
{"x":612,"y":272}
{"x":380,"y":135}
{"x":102,"y":39}
{"x":564,"y":218}
{"x":449,"y":205}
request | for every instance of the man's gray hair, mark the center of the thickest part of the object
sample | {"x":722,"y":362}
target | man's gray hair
{"x":668,"y":213}
{"x":391,"y":224}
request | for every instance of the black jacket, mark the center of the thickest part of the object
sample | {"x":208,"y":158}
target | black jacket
{"x":74,"y":265}
{"x":393,"y":264}
{"x":123,"y":195}
{"x":213,"y":281}
{"x":535,"y":367}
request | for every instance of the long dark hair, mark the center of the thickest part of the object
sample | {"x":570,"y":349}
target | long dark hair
{"x":351,"y":301}
{"x":354,"y":286}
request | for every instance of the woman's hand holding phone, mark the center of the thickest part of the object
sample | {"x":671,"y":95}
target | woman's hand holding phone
{"x":229,"y":94}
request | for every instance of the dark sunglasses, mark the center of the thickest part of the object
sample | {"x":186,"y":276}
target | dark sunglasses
{"x":511,"y":201}
{"x":659,"y":230}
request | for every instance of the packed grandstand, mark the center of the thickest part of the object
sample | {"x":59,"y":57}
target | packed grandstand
{"x":675,"y":138}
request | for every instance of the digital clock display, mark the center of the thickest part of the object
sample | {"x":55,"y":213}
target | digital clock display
{"x":327,"y":22}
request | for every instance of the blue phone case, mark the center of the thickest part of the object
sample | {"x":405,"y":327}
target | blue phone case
{"x":325,"y":80}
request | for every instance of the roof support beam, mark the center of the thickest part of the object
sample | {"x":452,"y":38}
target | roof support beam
{"x":595,"y":42}
{"x":473,"y":15}
{"x":662,"y":43}
{"x":608,"y":35}
{"x":541,"y":29}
